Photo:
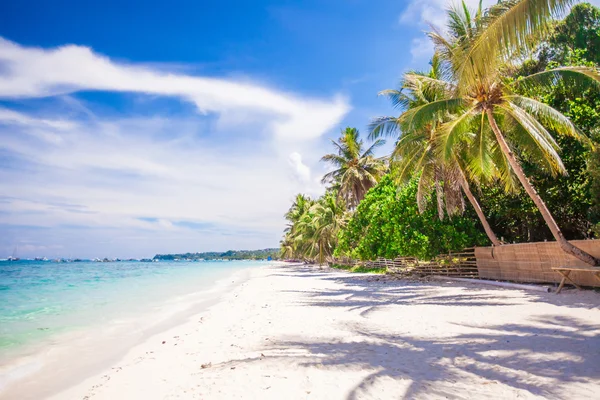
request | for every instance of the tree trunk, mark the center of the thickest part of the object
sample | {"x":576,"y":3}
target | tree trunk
{"x":320,"y":255}
{"x":486,"y":226}
{"x":564,"y":244}
{"x":439,"y":193}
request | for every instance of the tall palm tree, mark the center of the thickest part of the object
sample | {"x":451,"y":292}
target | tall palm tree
{"x":477,"y":53}
{"x":294,"y":241}
{"x":329,"y":216}
{"x":357,"y":170}
{"x":416,"y":150}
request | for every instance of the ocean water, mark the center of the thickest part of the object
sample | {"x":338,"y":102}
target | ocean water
{"x":42,"y":300}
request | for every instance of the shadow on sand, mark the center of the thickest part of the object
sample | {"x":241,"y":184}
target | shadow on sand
{"x":538,"y":357}
{"x":537,"y":360}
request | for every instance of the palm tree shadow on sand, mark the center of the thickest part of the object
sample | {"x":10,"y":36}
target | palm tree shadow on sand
{"x":538,"y":357}
{"x":531,"y":358}
{"x":538,"y":360}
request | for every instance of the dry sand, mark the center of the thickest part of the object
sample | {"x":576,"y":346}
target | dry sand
{"x":301,"y":333}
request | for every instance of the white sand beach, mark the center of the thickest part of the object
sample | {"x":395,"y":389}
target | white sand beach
{"x":297,"y":332}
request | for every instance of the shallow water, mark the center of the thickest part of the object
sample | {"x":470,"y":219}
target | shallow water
{"x":40,"y":300}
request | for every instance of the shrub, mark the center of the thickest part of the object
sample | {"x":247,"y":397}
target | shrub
{"x":387,"y":223}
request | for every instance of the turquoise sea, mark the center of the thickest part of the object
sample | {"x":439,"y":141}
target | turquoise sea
{"x":42,"y":300}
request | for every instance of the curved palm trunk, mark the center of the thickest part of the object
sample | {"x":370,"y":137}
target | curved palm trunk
{"x":564,"y":244}
{"x":486,"y":226}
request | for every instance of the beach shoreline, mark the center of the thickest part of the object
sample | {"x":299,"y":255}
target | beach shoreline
{"x":74,"y":356}
{"x":299,"y":332}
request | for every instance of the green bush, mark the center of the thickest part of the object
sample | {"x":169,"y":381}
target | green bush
{"x":387,"y":223}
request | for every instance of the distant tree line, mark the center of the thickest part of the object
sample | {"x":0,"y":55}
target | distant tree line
{"x":263,"y":254}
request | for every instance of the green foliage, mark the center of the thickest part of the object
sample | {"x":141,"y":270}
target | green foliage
{"x":388,"y":224}
{"x":579,"y":31}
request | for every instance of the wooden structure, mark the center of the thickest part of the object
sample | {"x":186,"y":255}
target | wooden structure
{"x":460,"y":264}
{"x":566,"y":271}
{"x":535,"y":262}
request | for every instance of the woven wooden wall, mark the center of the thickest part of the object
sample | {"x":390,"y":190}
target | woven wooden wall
{"x":532,"y":262}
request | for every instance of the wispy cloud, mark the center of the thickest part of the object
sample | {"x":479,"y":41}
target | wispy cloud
{"x":183,"y":181}
{"x":35,"y":72}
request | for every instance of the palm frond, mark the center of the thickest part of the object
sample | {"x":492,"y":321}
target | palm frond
{"x":419,"y":117}
{"x":398,"y":98}
{"x":508,"y":28}
{"x":548,"y":116}
{"x":480,"y":164}
{"x":448,"y":134}
{"x":575,"y":79}
{"x":376,"y":144}
{"x":334,"y":159}
{"x":431,"y":87}
{"x":536,"y":140}
{"x":384,"y":126}
{"x":403,"y":168}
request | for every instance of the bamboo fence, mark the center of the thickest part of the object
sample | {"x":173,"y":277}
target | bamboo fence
{"x":458,"y":264}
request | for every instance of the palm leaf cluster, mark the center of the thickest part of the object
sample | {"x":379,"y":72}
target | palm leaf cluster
{"x":313,"y":227}
{"x":356,"y":169}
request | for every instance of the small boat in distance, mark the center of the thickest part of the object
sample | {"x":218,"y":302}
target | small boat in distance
{"x":14,"y":255}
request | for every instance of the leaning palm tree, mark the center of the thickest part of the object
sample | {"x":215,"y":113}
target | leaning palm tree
{"x":416,"y":152}
{"x":356,"y":170}
{"x":477,"y":56}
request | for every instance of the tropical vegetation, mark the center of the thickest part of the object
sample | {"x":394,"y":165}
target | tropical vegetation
{"x":508,"y":116}
{"x":388,"y":223}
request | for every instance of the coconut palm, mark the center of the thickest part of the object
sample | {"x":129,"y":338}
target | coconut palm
{"x":357,"y":170}
{"x":477,"y":53}
{"x":329,"y":216}
{"x":416,"y":152}
{"x":313,"y":227}
{"x":300,"y":206}
{"x":294,"y":241}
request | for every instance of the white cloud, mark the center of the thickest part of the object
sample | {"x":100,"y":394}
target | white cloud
{"x":424,"y":12}
{"x":300,"y":169}
{"x":421,"y":49}
{"x":133,"y":174}
{"x":136,"y":184}
{"x":35,"y":72}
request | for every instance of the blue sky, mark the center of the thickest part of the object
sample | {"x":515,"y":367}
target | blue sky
{"x":131,"y":128}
